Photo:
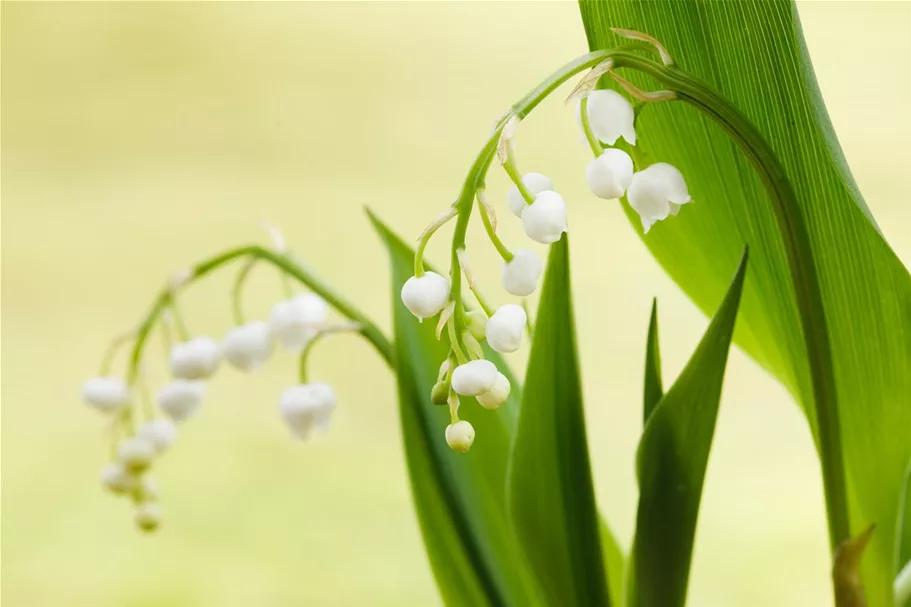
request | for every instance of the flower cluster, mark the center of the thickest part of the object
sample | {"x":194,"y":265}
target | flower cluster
{"x":296,"y":323}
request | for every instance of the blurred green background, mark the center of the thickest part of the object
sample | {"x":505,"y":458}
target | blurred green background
{"x":138,"y":138}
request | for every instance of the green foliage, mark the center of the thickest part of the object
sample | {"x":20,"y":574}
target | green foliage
{"x":458,"y":498}
{"x":754,"y":53}
{"x":672,"y":458}
{"x":653,"y":390}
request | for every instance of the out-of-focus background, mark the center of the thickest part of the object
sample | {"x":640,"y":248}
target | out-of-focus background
{"x":138,"y":138}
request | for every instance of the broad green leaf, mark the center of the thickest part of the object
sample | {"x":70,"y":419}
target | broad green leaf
{"x":459,"y":498}
{"x":551,"y":501}
{"x":653,"y":389}
{"x":671,"y":461}
{"x":753,"y":53}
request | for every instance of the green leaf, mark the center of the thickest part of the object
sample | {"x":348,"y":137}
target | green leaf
{"x":671,"y":461}
{"x":459,"y":498}
{"x":653,"y":388}
{"x":753,"y":53}
{"x":551,"y":501}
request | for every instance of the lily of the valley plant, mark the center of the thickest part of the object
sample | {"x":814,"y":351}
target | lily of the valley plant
{"x":500,"y":471}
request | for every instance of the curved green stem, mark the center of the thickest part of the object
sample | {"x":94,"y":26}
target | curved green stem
{"x":319,"y":335}
{"x":801,"y":265}
{"x":238,"y":290}
{"x":501,"y":248}
{"x":288,"y":267}
{"x":593,"y":143}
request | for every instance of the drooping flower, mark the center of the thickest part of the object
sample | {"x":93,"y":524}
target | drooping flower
{"x":106,"y":393}
{"x":195,"y":359}
{"x":611,"y":116}
{"x":474,"y":377}
{"x":180,"y":398}
{"x":295,"y":321}
{"x":160,"y":432}
{"x":609,"y":175}
{"x":505,"y":328}
{"x":656,"y":192}
{"x":307,"y":406}
{"x":135,"y":453}
{"x":117,"y":479}
{"x":148,"y":515}
{"x":535,"y":182}
{"x":425,"y":296}
{"x":248,"y":346}
{"x":497,"y":395}
{"x":520,"y":275}
{"x":545,"y":219}
{"x":460,"y":436}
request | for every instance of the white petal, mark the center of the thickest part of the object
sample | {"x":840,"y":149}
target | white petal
{"x":673,"y":181}
{"x":106,"y":393}
{"x":460,"y":436}
{"x":520,"y":276}
{"x":181,"y":398}
{"x":306,"y":406}
{"x":425,"y":296}
{"x":473,"y":378}
{"x":646,"y":195}
{"x":248,"y":346}
{"x":536,"y":183}
{"x":545,"y":219}
{"x":610,"y":174}
{"x":497,"y":395}
{"x":160,"y":432}
{"x":611,"y":116}
{"x":195,"y":359}
{"x":505,"y":328}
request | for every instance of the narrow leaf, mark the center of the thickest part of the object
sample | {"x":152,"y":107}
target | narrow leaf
{"x":653,"y":388}
{"x":753,"y":52}
{"x":551,"y":501}
{"x":459,"y":498}
{"x":671,"y":462}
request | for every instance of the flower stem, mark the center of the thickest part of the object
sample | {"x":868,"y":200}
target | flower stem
{"x":288,"y":267}
{"x":593,"y":142}
{"x":501,"y":248}
{"x":237,"y":291}
{"x":801,"y":266}
{"x":319,"y":335}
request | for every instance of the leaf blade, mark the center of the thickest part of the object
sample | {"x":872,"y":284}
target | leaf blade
{"x":550,"y":493}
{"x":672,"y":458}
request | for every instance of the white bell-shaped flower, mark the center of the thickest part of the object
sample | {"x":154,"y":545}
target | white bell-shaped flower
{"x":425,"y":296}
{"x":460,"y":436}
{"x":135,"y":453}
{"x":474,"y":377}
{"x":195,"y":359}
{"x":307,"y":406}
{"x":611,"y":116}
{"x":545,"y":219}
{"x":505,"y":328}
{"x":535,"y":182}
{"x":610,"y":174}
{"x":656,"y":192}
{"x":148,"y":515}
{"x":496,"y":396}
{"x":181,"y":398}
{"x":106,"y":393}
{"x":295,"y":321}
{"x":160,"y":432}
{"x":520,"y":276}
{"x":248,"y":346}
{"x":117,"y":479}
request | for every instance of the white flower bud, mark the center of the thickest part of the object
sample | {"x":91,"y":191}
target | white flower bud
{"x":106,"y":393}
{"x":180,"y":398}
{"x":610,"y":174}
{"x":611,"y":116}
{"x":160,"y":432}
{"x":295,"y":321}
{"x":473,"y":378}
{"x":535,"y":182}
{"x":117,"y":479}
{"x":545,"y":219}
{"x":505,"y":328}
{"x":657,"y":192}
{"x":496,"y":396}
{"x":520,"y":276}
{"x":426,"y":296}
{"x":460,"y":436}
{"x":148,"y":516}
{"x":195,"y":359}
{"x":248,"y":346}
{"x":136,"y":453}
{"x":307,"y":406}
